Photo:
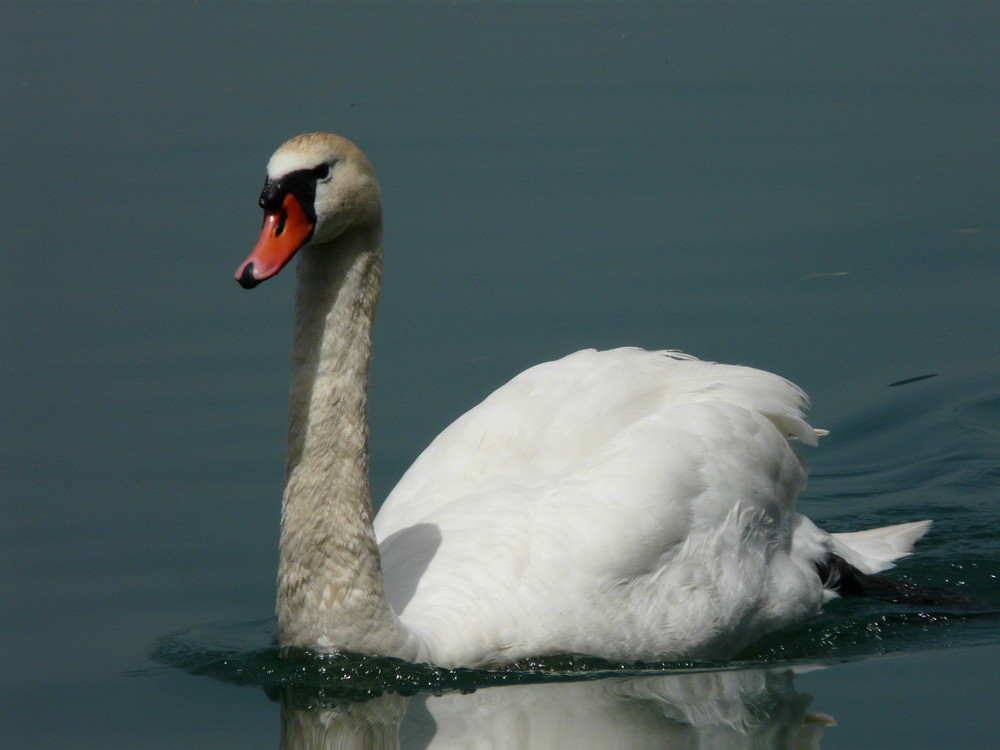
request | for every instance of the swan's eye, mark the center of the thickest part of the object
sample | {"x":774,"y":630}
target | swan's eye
{"x":321,"y":172}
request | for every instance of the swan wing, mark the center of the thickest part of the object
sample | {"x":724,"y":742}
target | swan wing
{"x":623,"y":502}
{"x":554,"y":416}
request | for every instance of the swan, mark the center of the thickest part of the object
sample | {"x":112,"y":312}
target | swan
{"x":747,"y":709}
{"x":628,"y":504}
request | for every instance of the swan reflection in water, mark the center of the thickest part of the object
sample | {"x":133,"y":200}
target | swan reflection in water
{"x":727,"y":709}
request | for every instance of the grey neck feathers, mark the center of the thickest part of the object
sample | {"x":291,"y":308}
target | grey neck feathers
{"x":330,"y":592}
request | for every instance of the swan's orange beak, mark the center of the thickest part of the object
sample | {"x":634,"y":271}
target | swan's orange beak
{"x":284,"y":232}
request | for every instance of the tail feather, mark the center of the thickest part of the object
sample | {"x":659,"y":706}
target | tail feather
{"x":854,"y":559}
{"x":874,"y":550}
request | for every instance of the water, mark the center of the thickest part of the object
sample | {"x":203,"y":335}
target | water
{"x":805,"y":188}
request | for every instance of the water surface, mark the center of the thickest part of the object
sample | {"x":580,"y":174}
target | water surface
{"x":806,"y":188}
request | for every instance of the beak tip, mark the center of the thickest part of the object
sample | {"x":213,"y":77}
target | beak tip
{"x":246,"y":278}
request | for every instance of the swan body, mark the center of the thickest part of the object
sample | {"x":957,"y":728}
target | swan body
{"x":627,"y":504}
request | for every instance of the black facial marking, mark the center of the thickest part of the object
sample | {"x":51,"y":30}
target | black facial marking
{"x":271,"y":196}
{"x":300,"y":183}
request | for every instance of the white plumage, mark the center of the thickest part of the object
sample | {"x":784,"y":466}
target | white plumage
{"x":625,"y":503}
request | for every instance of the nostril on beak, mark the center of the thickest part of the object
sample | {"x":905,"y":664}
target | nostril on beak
{"x":247,"y":280}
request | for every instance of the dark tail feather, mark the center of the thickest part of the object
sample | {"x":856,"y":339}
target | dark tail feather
{"x":839,"y":575}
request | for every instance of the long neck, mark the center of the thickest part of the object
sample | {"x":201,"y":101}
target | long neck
{"x":372,"y":724}
{"x":330,"y":592}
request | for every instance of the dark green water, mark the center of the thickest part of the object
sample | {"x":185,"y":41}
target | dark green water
{"x":806,"y":188}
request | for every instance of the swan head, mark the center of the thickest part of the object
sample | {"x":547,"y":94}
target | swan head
{"x":318,"y":187}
